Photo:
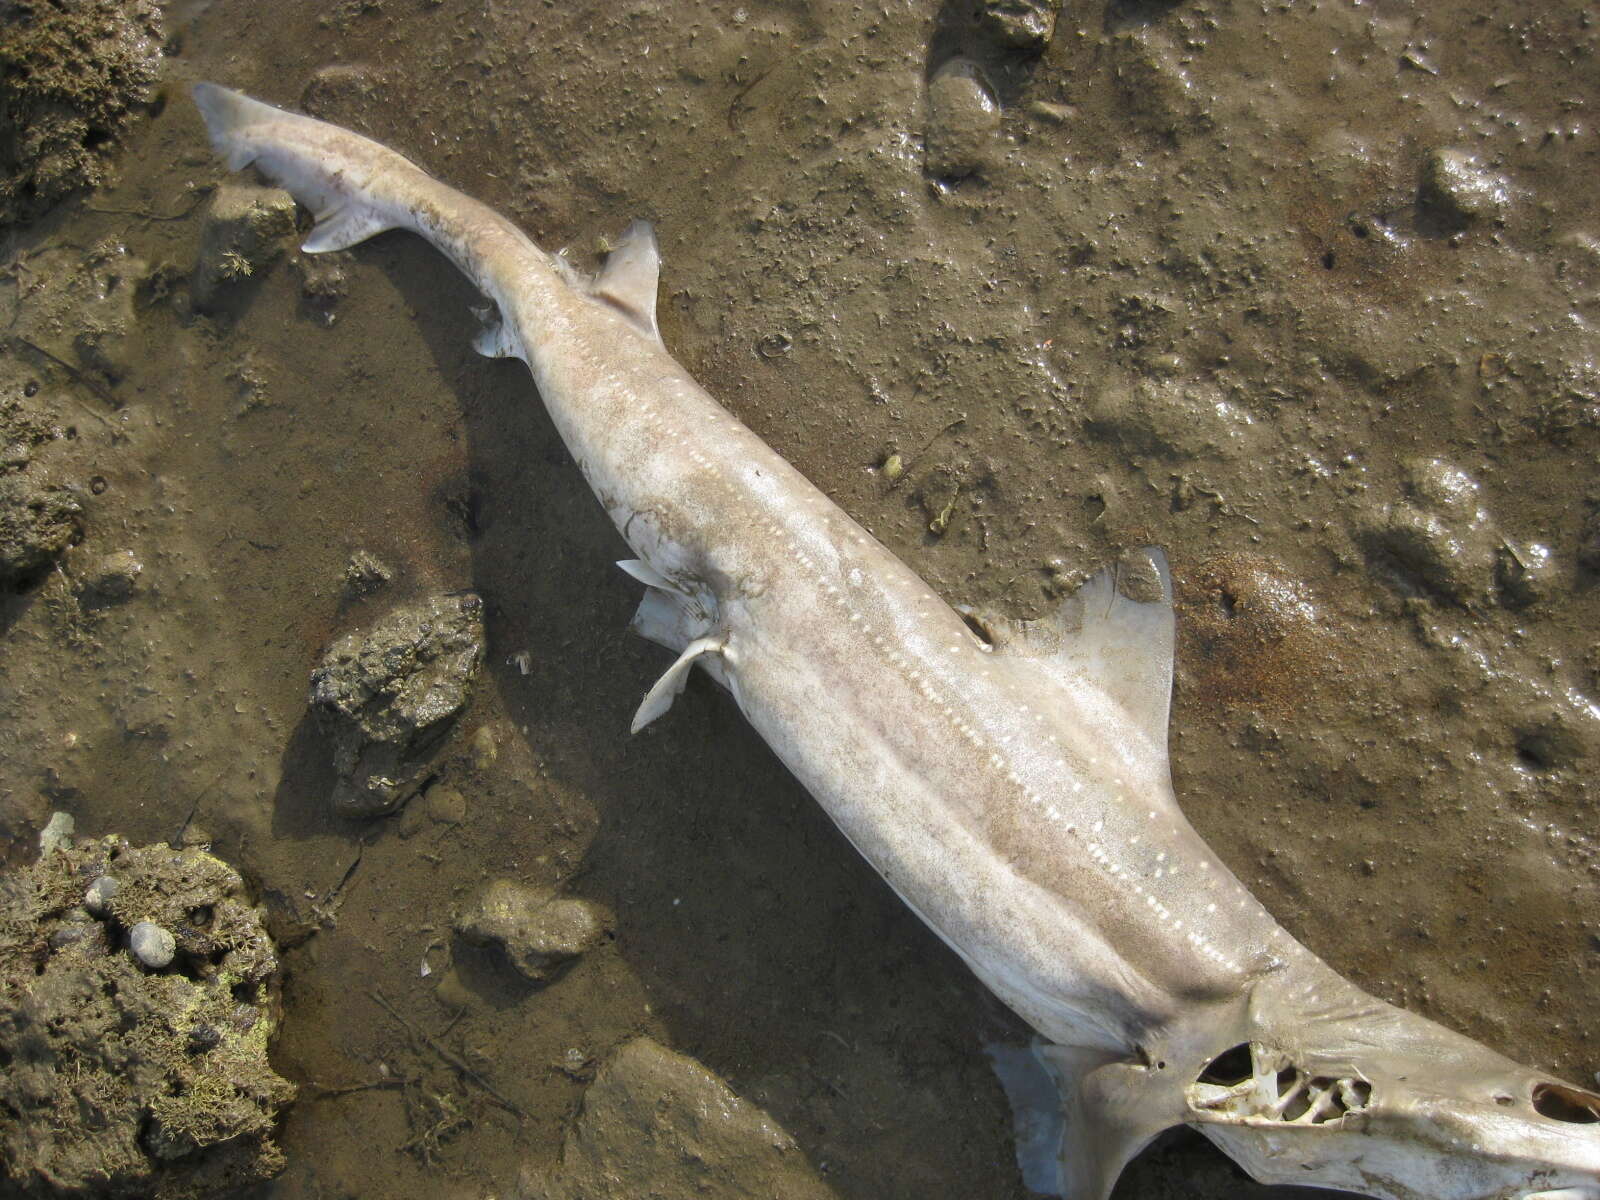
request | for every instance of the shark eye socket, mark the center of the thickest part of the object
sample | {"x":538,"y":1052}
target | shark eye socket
{"x":1230,"y":1067}
{"x":1562,"y":1103}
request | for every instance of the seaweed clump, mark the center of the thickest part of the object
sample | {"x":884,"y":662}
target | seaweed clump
{"x":71,"y":72}
{"x":122,"y":1078}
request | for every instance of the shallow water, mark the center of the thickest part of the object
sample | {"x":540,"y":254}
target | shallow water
{"x":1190,"y":296}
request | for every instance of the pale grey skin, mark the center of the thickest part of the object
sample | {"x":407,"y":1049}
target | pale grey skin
{"x":1014,"y":789}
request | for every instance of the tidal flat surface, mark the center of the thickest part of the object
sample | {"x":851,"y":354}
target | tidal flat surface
{"x":1305,"y":293}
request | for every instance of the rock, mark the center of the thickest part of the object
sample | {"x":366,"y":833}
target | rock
{"x":364,"y":574}
{"x":1458,"y":190}
{"x":57,"y":833}
{"x":37,"y":522}
{"x":963,"y":120}
{"x":112,"y":579}
{"x":540,"y":932}
{"x":1153,"y":78}
{"x":1525,"y":574}
{"x":338,"y":89}
{"x":658,"y":1124}
{"x":388,"y":695}
{"x":446,"y":805}
{"x":70,"y":76}
{"x":1439,"y":539}
{"x":323,"y":282}
{"x":1553,"y":737}
{"x":1169,"y":418}
{"x":1427,"y":550}
{"x":122,"y":1081}
{"x":152,"y":945}
{"x":485,"y":748}
{"x":1025,"y":25}
{"x":1443,"y":487}
{"x":411,"y":822}
{"x":245,"y":230}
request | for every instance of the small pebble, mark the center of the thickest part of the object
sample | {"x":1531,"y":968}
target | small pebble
{"x":152,"y":945}
{"x":1526,"y":574}
{"x":963,"y":120}
{"x":1025,"y":25}
{"x":485,"y":747}
{"x":113,"y":579}
{"x":446,"y":805}
{"x":1459,"y":190}
{"x":99,"y":894}
{"x":365,"y":573}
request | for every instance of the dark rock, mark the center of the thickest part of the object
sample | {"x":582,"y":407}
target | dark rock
{"x":37,"y":522}
{"x":1025,"y":25}
{"x":389,"y":694}
{"x":364,"y":574}
{"x":112,"y":579}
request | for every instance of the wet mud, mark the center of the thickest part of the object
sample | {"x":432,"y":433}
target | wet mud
{"x":1304,"y":293}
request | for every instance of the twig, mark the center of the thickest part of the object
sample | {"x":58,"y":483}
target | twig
{"x":200,"y":195}
{"x":331,"y":1093}
{"x":449,"y":1056}
{"x":76,"y":376}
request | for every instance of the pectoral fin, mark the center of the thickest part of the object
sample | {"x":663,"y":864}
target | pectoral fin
{"x":1103,"y":1114}
{"x":494,"y":338}
{"x":659,"y":698}
{"x":343,"y":227}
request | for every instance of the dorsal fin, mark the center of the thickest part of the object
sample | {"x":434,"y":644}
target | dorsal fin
{"x":631,"y":275}
{"x":1115,"y":632}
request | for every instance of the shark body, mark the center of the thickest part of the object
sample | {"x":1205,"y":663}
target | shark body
{"x":1012,"y":788}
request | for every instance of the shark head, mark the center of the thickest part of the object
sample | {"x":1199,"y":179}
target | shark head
{"x":1382,"y":1102}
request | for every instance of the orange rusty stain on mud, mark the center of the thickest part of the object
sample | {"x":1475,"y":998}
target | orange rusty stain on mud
{"x":1248,"y":634}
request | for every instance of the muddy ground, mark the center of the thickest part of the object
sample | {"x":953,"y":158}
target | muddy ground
{"x":1223,"y":276}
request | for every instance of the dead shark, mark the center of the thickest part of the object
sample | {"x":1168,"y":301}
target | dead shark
{"x":1012,"y":788}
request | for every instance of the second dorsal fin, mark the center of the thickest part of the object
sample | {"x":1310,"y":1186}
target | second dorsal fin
{"x":632,"y":274}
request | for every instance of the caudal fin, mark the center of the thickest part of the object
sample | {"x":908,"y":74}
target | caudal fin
{"x":333,"y":172}
{"x":227,"y":114}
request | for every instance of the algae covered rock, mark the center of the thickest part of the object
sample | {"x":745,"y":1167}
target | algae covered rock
{"x":246,"y":227}
{"x":37,"y":522}
{"x":120,"y":1079}
{"x":388,"y":694}
{"x":70,"y":75}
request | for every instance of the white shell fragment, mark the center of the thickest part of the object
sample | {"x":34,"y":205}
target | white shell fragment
{"x":98,"y":895}
{"x":152,"y":945}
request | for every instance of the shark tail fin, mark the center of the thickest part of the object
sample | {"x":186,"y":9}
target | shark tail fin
{"x":329,"y":170}
{"x":1080,"y":1118}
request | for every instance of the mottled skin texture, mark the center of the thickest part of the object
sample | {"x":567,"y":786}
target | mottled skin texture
{"x":1015,"y":794}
